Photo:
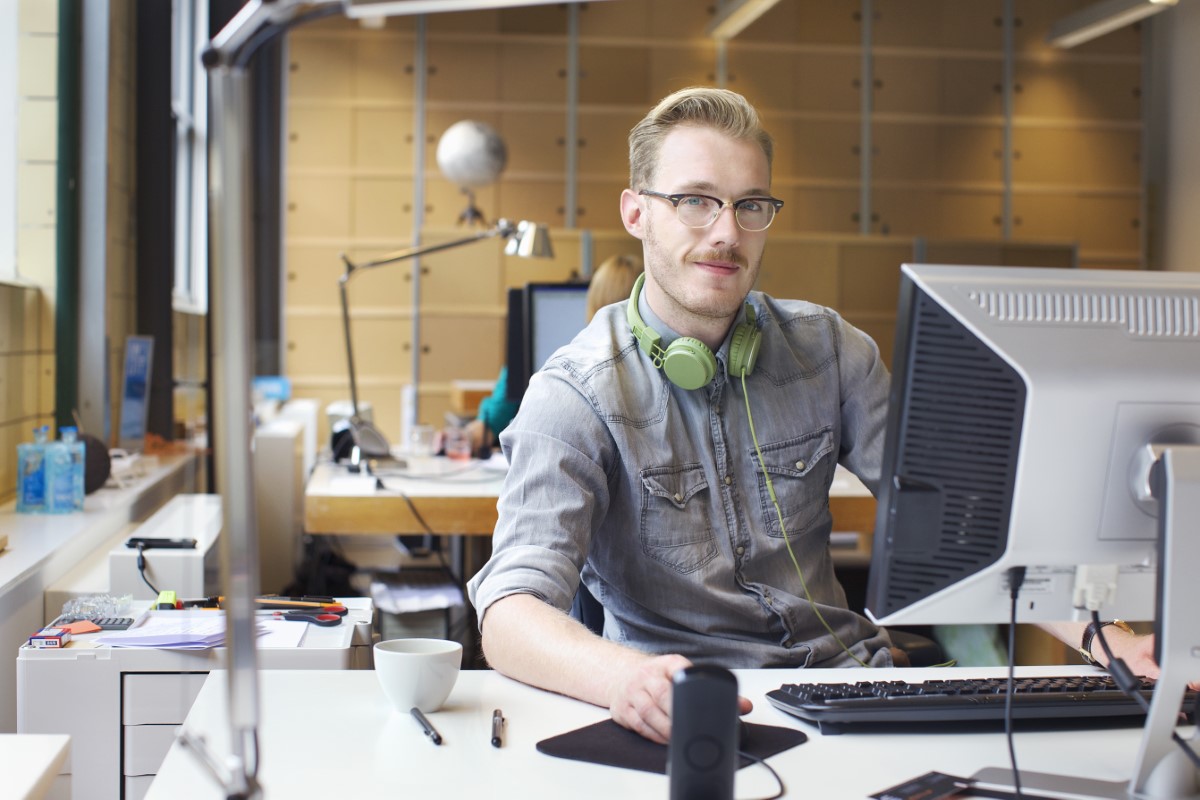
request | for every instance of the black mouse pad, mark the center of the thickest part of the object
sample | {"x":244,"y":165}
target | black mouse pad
{"x":609,"y":744}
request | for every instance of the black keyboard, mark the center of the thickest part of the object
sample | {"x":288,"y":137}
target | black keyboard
{"x":972,"y":702}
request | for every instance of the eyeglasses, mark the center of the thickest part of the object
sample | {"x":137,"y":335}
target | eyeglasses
{"x":699,"y":210}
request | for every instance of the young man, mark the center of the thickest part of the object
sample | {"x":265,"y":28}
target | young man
{"x":677,"y":456}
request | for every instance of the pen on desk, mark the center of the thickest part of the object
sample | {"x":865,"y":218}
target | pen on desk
{"x":497,"y":728}
{"x":426,"y":726}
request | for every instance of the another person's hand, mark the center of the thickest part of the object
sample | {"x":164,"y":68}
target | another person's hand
{"x":640,"y":698}
{"x":1137,"y":651}
{"x":475,"y":434}
{"x":899,"y":657}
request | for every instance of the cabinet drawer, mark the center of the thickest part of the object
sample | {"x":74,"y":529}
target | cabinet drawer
{"x":146,"y":746}
{"x":161,"y":698}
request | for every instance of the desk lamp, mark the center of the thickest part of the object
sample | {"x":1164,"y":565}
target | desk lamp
{"x":525,"y":239}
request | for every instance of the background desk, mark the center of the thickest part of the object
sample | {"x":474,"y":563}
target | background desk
{"x":373,"y":751}
{"x":457,"y":501}
{"x":121,"y":705}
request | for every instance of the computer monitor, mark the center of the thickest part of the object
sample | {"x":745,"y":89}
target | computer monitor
{"x":551,"y":316}
{"x":1027,"y":407}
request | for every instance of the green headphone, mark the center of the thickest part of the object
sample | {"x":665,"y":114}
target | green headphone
{"x":687,"y":362}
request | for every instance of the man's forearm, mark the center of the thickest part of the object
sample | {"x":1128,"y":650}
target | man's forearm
{"x":530,"y":641}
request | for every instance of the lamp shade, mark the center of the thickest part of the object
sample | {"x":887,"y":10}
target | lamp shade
{"x":531,"y":241}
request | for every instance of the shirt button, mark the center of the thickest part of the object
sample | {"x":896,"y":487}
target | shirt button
{"x":678,"y":497}
{"x":728,"y":480}
{"x":740,"y":550}
{"x":800,"y":465}
{"x":788,"y":643}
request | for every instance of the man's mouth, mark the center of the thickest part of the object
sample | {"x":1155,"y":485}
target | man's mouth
{"x":719,"y":260}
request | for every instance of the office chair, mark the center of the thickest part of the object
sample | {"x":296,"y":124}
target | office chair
{"x":922,"y":651}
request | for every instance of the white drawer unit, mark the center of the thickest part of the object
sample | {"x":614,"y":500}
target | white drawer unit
{"x":121,"y":706}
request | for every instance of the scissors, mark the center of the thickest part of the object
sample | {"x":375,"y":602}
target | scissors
{"x":325,"y":620}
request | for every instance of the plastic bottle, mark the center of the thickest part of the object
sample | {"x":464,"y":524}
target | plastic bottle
{"x":31,"y":473}
{"x":64,"y":474}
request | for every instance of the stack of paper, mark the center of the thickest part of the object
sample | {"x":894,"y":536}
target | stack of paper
{"x":182,"y":631}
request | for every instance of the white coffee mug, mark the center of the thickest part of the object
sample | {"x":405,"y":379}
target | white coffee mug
{"x":417,"y":673}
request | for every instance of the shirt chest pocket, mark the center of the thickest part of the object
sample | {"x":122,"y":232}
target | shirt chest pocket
{"x":800,"y":471}
{"x":675,"y":528}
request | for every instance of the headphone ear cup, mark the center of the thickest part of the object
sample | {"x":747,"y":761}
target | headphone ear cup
{"x":688,"y":363}
{"x":743,"y":349}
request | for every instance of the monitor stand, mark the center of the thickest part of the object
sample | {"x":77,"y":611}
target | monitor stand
{"x":1162,"y":770}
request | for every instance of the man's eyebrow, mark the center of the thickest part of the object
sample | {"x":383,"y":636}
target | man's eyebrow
{"x":709,"y":188}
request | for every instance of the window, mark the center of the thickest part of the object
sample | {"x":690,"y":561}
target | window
{"x":189,"y":106}
{"x":8,"y":142}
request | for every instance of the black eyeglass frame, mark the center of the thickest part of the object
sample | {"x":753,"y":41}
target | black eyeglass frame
{"x":675,"y":199}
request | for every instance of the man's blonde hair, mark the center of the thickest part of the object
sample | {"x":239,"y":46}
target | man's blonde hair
{"x":724,"y":111}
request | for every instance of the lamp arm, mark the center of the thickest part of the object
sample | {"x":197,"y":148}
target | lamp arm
{"x":501,"y":228}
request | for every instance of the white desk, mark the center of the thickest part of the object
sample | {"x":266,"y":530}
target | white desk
{"x":121,"y":705}
{"x":345,"y":740}
{"x":29,"y":763}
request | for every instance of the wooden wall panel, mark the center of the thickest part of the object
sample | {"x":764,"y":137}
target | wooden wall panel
{"x":825,"y":149}
{"x":312,"y":275}
{"x":320,"y":67}
{"x":382,"y":139}
{"x":466,"y":277}
{"x":317,"y":206}
{"x":382,"y":207}
{"x":613,"y":75}
{"x":462,"y":346}
{"x":834,"y":22}
{"x":533,"y":73}
{"x":319,"y":137}
{"x":798,"y":268}
{"x":383,"y":68}
{"x":535,"y":140}
{"x":827,"y":83}
{"x":756,"y":74}
{"x":462,"y":72}
{"x":937,"y":163}
{"x":604,"y":143}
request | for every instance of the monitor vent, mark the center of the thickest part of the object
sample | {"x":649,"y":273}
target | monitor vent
{"x":1140,"y":314}
{"x":955,"y":459}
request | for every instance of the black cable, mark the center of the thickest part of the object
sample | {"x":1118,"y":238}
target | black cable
{"x":141,"y":565}
{"x":770,"y":769}
{"x":1131,"y":685}
{"x":1016,"y":577}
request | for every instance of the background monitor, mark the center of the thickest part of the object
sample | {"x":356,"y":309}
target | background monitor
{"x":552,"y":314}
{"x":1022,"y":407}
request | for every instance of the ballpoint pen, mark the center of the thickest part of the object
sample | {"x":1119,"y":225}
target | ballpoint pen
{"x":426,"y":726}
{"x":497,"y":728}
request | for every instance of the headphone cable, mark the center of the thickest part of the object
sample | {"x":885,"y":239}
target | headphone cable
{"x":783,"y":528}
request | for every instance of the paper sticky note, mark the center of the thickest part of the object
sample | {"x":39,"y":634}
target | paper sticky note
{"x":82,"y":626}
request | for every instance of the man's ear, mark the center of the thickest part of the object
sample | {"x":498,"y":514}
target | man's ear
{"x":631,"y":213}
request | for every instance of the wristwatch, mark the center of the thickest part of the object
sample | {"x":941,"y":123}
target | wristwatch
{"x":1089,"y":633}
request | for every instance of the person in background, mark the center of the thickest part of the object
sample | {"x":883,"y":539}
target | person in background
{"x":611,"y":282}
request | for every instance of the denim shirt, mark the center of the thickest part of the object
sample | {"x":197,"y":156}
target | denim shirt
{"x":656,"y":494}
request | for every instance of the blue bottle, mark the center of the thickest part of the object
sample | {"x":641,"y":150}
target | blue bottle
{"x":31,"y":473}
{"x":64,"y":474}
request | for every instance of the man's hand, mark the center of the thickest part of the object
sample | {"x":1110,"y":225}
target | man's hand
{"x":640,"y":697}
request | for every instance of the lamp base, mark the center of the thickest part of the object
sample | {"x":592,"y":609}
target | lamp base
{"x":370,"y":440}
